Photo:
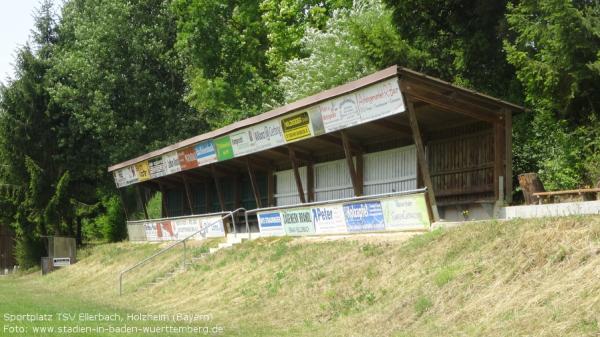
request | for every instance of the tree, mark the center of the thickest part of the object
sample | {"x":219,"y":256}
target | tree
{"x":287,"y":21}
{"x":224,"y":45}
{"x":355,"y":42}
{"x":462,"y":41}
{"x":29,"y":146}
{"x":554,"y":46}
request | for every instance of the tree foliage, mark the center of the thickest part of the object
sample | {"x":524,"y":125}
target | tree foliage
{"x":106,"y":81}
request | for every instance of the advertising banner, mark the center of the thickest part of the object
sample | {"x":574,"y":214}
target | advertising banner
{"x":187,"y":158}
{"x":329,"y":219}
{"x":205,"y":152}
{"x":296,"y":127}
{"x":380,"y":100}
{"x":298,"y":222}
{"x":270,"y":223}
{"x":364,"y":216}
{"x":242,"y":142}
{"x":143,"y":171}
{"x":340,"y":113}
{"x":215,"y":229}
{"x":150,"y":229}
{"x":267,"y":135}
{"x":187,"y":227}
{"x":160,"y":231}
{"x":165,"y":231}
{"x":405,"y":212}
{"x":119,"y":178}
{"x":126,"y":176}
{"x":223,"y":148}
{"x":157,"y":167}
{"x":171,"y":161}
{"x":374,"y":102}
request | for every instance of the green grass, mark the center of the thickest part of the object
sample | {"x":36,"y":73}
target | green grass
{"x":17,"y":298}
{"x":534,"y":277}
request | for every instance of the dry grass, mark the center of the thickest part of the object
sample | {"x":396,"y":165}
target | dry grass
{"x":517,"y":278}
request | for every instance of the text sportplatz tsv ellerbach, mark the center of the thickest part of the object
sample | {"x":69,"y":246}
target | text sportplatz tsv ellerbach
{"x":105,"y":317}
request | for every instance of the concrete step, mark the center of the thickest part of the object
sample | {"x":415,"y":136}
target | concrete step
{"x":213,"y":250}
{"x":225,"y":245}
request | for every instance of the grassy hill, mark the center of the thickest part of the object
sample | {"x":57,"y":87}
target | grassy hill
{"x":534,"y":277}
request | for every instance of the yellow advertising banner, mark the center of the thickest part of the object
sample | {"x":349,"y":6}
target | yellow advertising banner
{"x":296,"y":127}
{"x":143,"y":170}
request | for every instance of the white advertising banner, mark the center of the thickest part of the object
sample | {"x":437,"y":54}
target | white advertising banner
{"x":171,"y":161}
{"x":126,"y":176}
{"x":380,"y":100}
{"x":242,"y":142}
{"x":329,"y":219}
{"x":167,"y":230}
{"x":374,"y":102}
{"x":187,"y":227}
{"x":215,"y":227}
{"x":267,"y":135}
{"x":270,"y":224}
{"x":157,"y":167}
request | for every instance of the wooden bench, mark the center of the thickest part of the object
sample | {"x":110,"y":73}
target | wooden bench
{"x":543,"y":195}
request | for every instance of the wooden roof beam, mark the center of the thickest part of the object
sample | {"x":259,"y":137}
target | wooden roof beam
{"x":299,"y":154}
{"x":443,"y":102}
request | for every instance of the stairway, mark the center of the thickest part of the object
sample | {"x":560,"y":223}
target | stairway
{"x":231,"y":240}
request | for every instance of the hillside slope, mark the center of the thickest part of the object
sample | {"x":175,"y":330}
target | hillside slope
{"x":535,"y":277}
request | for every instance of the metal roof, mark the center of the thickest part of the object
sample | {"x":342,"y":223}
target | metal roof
{"x":311,"y":100}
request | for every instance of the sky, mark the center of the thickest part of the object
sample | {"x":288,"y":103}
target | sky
{"x":16,"y":22}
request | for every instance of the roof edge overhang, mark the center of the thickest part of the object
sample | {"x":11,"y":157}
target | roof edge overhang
{"x":393,"y":71}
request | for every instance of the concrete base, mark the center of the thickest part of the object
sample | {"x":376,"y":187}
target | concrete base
{"x":547,"y":210}
{"x":476,"y":211}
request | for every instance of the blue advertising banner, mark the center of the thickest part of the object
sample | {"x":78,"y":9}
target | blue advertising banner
{"x":205,"y":152}
{"x":270,"y":223}
{"x":364,"y":216}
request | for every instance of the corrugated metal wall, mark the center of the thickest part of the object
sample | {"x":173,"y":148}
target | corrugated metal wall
{"x":332,"y":181}
{"x":384,"y":172}
{"x":388,"y":171}
{"x":286,"y":192}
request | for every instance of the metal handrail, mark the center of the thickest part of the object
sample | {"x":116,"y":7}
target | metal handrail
{"x":182,"y":241}
{"x":334,"y":201}
{"x":177,"y":217}
{"x":325,"y":202}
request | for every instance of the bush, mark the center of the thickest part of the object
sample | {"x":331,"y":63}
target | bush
{"x":112,"y":223}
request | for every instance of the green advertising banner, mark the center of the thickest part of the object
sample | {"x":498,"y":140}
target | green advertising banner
{"x":223,"y":147}
{"x":405,"y":212}
{"x":298,"y":222}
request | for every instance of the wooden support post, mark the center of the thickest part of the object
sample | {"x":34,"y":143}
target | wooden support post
{"x":237,"y":192}
{"x":188,"y":194}
{"x":270,"y":188}
{"x":142,"y":200}
{"x":360,"y":171}
{"x":207,"y":197}
{"x":356,"y":184}
{"x":254,"y":184}
{"x":165,"y":209}
{"x":423,"y":164}
{"x":296,"y":174}
{"x":508,"y":178}
{"x":498,"y":158}
{"x":123,"y":203}
{"x":310,"y":181}
{"x":218,"y":188}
